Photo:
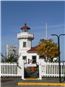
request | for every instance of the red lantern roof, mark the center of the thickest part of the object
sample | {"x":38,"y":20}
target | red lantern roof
{"x":25,"y":27}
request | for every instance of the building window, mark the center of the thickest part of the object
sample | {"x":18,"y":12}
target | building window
{"x":25,"y":59}
{"x":33,"y":59}
{"x":24,"y":44}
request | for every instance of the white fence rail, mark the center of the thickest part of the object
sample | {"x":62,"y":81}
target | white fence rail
{"x":8,"y":69}
{"x":52,"y":69}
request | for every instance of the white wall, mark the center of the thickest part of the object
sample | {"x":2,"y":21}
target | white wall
{"x":28,"y":45}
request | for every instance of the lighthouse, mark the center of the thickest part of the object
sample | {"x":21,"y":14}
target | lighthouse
{"x":28,"y":58}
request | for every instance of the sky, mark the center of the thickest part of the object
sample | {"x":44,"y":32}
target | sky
{"x":36,"y":14}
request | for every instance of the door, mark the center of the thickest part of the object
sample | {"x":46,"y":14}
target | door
{"x":31,"y":72}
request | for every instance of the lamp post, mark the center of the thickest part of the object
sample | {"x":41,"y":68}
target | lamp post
{"x":58,"y":37}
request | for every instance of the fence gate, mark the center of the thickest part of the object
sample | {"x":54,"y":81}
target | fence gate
{"x":31,"y":72}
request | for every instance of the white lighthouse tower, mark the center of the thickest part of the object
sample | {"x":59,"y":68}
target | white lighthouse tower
{"x":25,"y":43}
{"x":25,"y":39}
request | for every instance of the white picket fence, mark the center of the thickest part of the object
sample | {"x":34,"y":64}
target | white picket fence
{"x":8,"y":69}
{"x":52,"y":69}
{"x":47,"y":69}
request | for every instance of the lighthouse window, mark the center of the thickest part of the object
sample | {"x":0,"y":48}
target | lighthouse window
{"x":33,"y":59}
{"x":24,"y":44}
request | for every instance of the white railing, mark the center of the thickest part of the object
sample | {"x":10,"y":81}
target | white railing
{"x":52,"y":69}
{"x":25,"y":35}
{"x":8,"y":69}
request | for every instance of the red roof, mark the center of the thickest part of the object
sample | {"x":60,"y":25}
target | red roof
{"x":25,"y":27}
{"x":32,"y":50}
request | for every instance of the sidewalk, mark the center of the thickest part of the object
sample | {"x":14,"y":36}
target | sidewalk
{"x":46,"y":79}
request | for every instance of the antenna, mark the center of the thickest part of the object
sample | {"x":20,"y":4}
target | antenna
{"x":46,"y":32}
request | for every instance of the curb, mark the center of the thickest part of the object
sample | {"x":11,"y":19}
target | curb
{"x":39,"y":84}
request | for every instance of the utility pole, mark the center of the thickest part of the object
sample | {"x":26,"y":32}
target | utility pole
{"x":58,"y":37}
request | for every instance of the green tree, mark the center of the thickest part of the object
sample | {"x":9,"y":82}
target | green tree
{"x":2,"y":58}
{"x":11,"y":58}
{"x":47,"y":49}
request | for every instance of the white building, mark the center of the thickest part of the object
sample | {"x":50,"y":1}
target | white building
{"x":27,"y":55}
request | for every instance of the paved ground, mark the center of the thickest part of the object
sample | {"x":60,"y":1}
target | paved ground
{"x":12,"y":82}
